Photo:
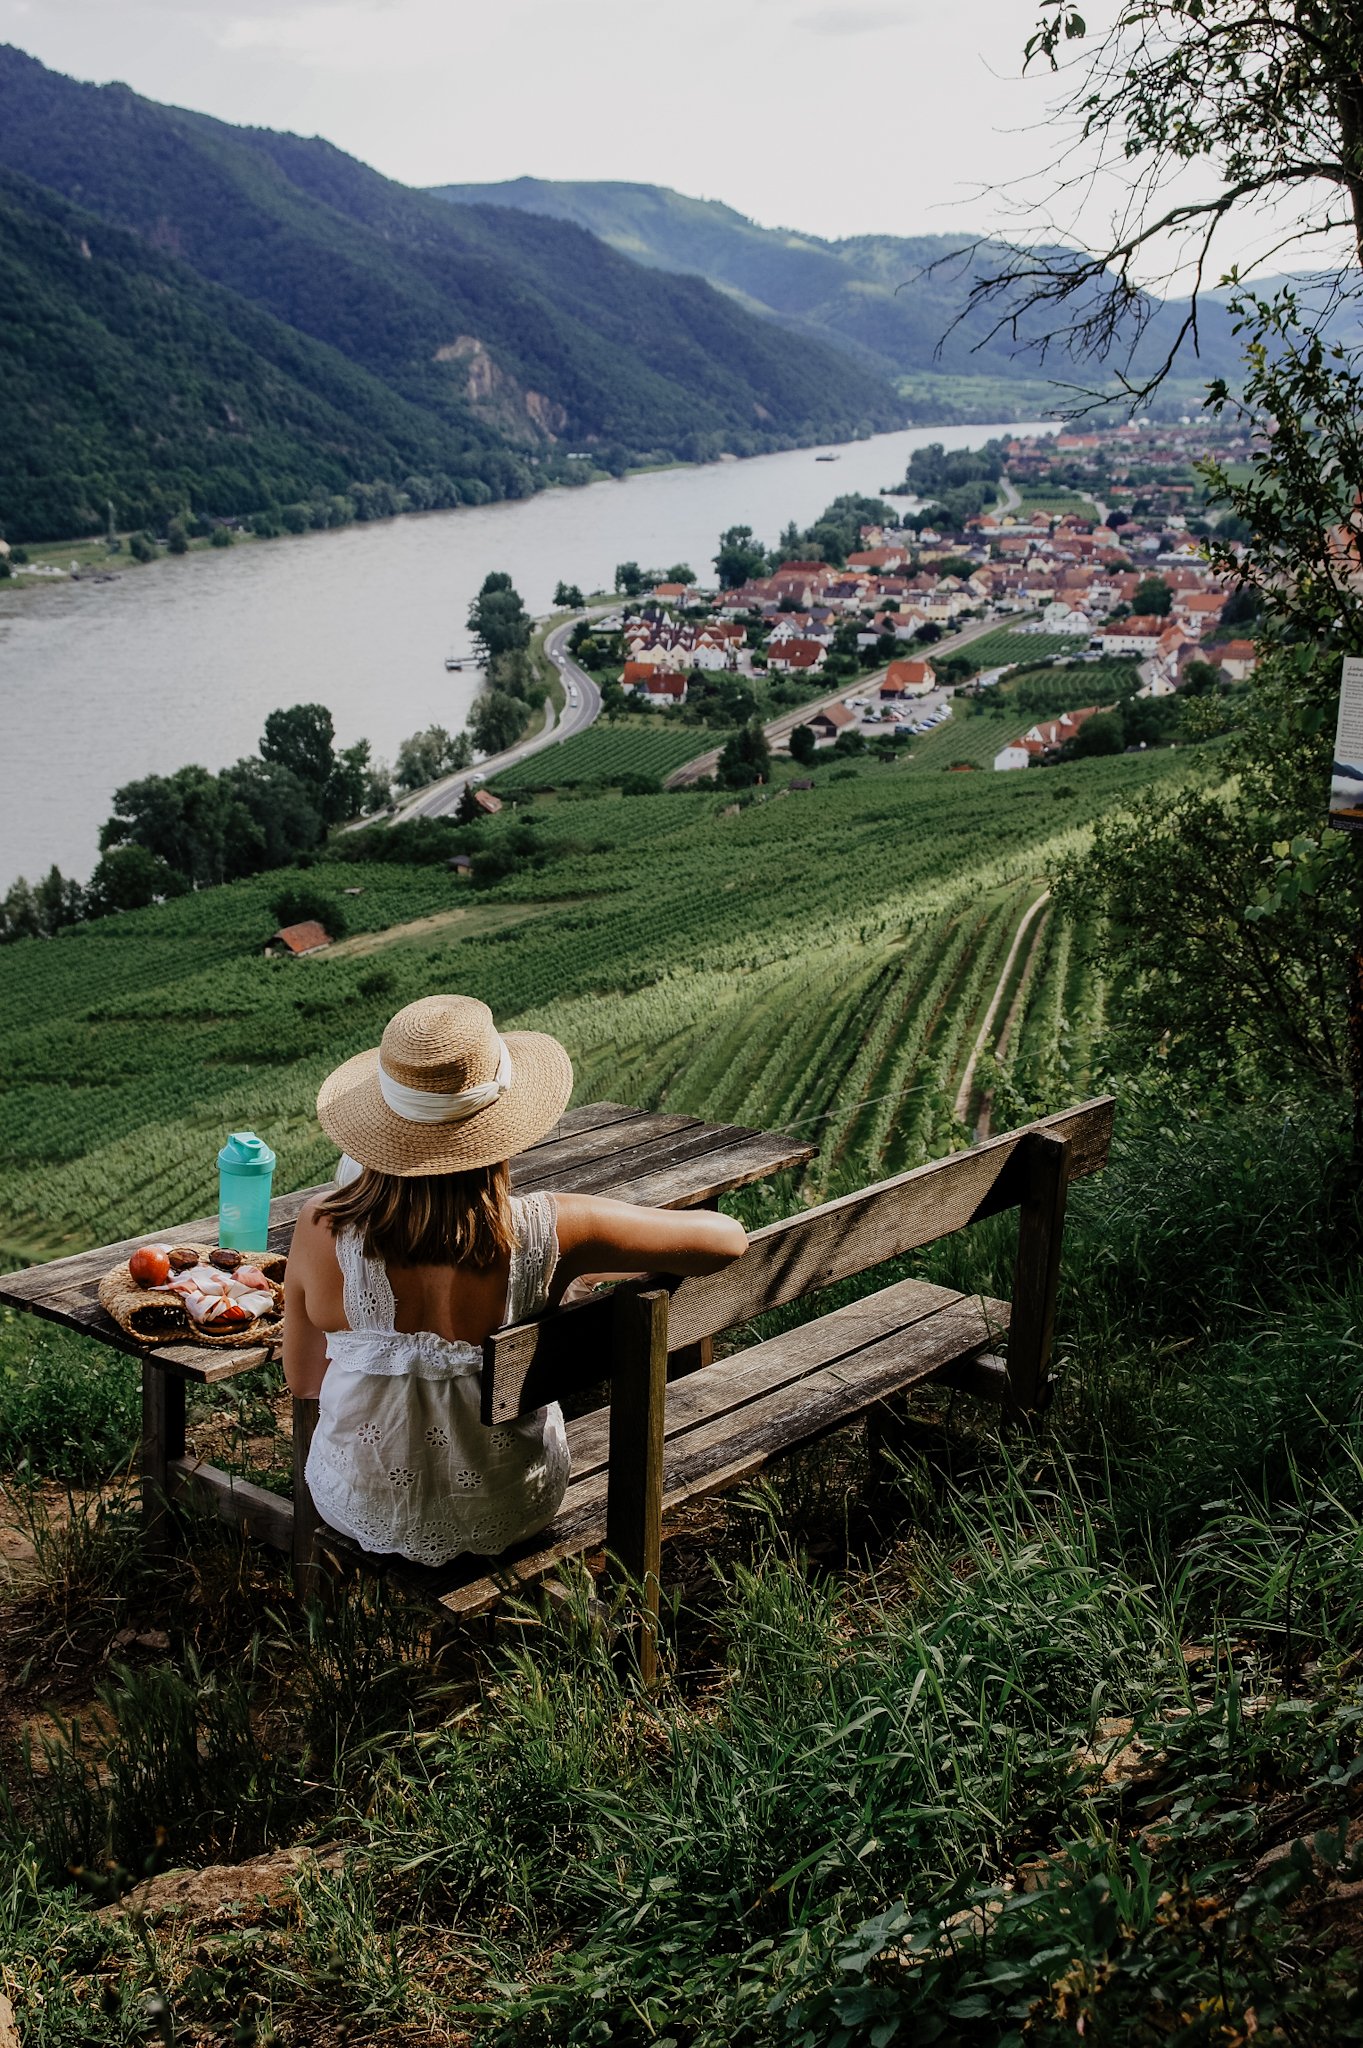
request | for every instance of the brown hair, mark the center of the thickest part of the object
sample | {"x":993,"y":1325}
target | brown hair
{"x":427,"y":1219}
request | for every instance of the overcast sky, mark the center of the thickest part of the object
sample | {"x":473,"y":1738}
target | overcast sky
{"x":838,"y":117}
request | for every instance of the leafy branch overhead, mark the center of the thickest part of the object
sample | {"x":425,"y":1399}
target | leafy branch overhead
{"x":1265,"y":102}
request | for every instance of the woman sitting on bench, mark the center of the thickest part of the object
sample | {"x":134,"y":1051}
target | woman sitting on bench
{"x":394,"y":1282}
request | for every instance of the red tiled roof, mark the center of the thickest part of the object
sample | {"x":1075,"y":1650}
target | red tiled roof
{"x":303,"y":938}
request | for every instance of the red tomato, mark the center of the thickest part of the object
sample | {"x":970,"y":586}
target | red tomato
{"x":149,"y":1267}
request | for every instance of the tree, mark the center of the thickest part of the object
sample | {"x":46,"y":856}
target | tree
{"x":614,"y":702}
{"x":1200,"y":679}
{"x":1101,"y":735}
{"x":746,"y":757}
{"x":37,"y":913}
{"x":187,"y":818}
{"x":629,"y":578}
{"x":273,"y":817}
{"x":378,"y":788}
{"x":221,"y":537}
{"x":1153,"y":598}
{"x":428,"y":755}
{"x":348,"y":783}
{"x":567,"y":597}
{"x":177,"y":539}
{"x":497,"y":721}
{"x":680,"y":572}
{"x":498,"y":620}
{"x":130,"y":878}
{"x":300,"y":740}
{"x":513,"y":673}
{"x":740,"y":558}
{"x":803,"y":745}
{"x":1265,"y":100}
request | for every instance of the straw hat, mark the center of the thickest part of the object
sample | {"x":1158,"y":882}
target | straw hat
{"x":443,"y":1091}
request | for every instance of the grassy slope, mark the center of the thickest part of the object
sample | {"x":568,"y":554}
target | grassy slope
{"x":671,"y":951}
{"x":1047,"y":1664}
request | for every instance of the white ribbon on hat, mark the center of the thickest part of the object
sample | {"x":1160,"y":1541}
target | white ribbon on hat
{"x":424,"y":1106}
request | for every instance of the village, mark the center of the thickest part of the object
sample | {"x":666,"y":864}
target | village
{"x":1105,"y":580}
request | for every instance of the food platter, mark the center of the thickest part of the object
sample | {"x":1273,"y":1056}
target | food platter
{"x":197,"y":1294}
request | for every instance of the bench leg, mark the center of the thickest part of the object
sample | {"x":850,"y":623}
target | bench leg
{"x":634,"y":1485}
{"x":306,"y":1520}
{"x":1041,"y":1230}
{"x":691,"y":1358}
{"x":163,"y":1438}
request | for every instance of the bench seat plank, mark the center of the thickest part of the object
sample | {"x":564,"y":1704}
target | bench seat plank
{"x":764,"y":1369}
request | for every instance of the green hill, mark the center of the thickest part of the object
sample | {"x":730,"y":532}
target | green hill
{"x":125,"y":378}
{"x":514,"y":336}
{"x":875,"y":297}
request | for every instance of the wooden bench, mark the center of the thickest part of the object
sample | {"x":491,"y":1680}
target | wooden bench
{"x":663,"y":1440}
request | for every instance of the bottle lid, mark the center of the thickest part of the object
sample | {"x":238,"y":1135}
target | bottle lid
{"x":244,"y":1152}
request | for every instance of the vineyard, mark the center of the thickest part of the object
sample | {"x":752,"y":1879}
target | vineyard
{"x":825,"y":959}
{"x":604,"y":753}
{"x":992,"y":650}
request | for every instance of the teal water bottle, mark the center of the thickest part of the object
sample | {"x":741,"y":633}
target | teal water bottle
{"x":245,"y":1171}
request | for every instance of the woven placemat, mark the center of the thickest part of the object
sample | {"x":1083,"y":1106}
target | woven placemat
{"x":157,"y":1315}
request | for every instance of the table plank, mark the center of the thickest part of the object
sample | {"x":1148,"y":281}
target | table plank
{"x":757,"y":1156}
{"x":579,"y":1152}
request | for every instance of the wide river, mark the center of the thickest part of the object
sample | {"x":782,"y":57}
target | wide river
{"x":104,"y":682}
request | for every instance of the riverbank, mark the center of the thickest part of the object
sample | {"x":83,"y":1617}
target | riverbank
{"x":140,"y":675}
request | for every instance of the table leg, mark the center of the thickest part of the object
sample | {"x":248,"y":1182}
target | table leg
{"x":163,"y":1438}
{"x":306,"y":1520}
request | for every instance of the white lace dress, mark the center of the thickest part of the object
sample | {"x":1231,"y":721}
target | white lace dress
{"x":400,"y":1459}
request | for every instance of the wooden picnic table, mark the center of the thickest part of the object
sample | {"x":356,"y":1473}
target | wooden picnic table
{"x":604,"y":1148}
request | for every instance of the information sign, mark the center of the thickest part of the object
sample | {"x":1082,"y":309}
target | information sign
{"x":1346,"y":780}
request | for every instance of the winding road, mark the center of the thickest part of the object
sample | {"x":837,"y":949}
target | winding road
{"x":438,"y":799}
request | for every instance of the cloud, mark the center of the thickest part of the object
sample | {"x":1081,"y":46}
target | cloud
{"x":852,"y":21}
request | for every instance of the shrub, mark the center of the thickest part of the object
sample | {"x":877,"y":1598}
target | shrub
{"x":142,"y":547}
{"x":221,"y":537}
{"x":301,"y":905}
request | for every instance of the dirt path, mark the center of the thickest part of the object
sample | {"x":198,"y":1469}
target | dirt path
{"x":968,"y":1078}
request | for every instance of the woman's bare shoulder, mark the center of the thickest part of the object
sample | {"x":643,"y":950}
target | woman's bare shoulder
{"x":312,"y":1232}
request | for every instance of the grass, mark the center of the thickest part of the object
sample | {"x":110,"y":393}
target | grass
{"x":955,"y":1731}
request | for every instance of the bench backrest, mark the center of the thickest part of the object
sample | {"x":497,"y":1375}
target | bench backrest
{"x":566,"y":1350}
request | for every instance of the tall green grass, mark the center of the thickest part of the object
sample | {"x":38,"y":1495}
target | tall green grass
{"x":867,"y":1802}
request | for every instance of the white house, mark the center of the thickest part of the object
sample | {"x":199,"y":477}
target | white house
{"x":1015,"y":756}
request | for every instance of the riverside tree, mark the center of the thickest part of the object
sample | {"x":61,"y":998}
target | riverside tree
{"x":428,"y":755}
{"x":498,"y":619}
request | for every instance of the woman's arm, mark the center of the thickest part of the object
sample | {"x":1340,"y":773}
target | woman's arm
{"x":305,"y":1345}
{"x":608,"y":1239}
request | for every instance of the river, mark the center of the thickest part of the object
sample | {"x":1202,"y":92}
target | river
{"x":103,"y":682}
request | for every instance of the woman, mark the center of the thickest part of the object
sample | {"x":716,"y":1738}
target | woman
{"x":394,"y":1281}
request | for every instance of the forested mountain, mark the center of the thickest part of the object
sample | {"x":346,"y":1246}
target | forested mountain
{"x":873,"y":296}
{"x":483,"y":342}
